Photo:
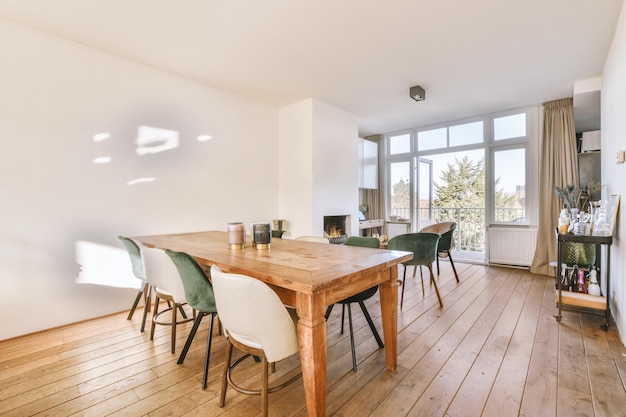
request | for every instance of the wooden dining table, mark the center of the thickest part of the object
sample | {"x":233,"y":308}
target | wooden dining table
{"x":309,"y":277}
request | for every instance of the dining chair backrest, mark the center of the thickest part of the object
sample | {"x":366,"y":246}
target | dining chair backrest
{"x":446,"y":231}
{"x":198,"y":289}
{"x":134,"y":252}
{"x":363,"y":241}
{"x":252,"y":314}
{"x":162,"y":273}
{"x":317,"y":239}
{"x":423,"y":246}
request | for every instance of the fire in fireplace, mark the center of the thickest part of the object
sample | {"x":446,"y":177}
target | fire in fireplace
{"x":335,"y":228}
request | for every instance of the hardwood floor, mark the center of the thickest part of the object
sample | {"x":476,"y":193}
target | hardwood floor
{"x":493,"y":350}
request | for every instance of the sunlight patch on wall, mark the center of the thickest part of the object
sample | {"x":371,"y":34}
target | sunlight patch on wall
{"x":140,"y":180}
{"x":102,"y":160}
{"x":99,"y":137}
{"x":104,"y":265}
{"x":154,"y":140}
{"x":204,"y":138}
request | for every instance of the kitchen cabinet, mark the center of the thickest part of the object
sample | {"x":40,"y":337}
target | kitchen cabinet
{"x":368,"y":164}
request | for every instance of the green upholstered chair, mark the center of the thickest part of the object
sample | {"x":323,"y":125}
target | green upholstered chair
{"x":199,"y":296}
{"x":256,"y":322}
{"x":367,"y":242}
{"x":446,"y":231}
{"x":134,"y":252}
{"x":424,"y":249}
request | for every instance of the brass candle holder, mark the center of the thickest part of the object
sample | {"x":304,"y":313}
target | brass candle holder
{"x":236,"y":235}
{"x":261,"y":235}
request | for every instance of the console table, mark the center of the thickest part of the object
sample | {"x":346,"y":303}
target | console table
{"x":366,"y":225}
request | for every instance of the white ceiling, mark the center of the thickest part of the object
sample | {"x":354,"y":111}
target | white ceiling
{"x":471,"y":56}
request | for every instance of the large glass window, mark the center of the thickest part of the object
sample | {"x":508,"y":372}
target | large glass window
{"x":509,"y":167}
{"x":471,"y":172}
{"x":466,"y":134}
{"x":400,"y":190}
{"x":509,"y":127}
{"x":400,"y":144}
{"x":432,"y":139}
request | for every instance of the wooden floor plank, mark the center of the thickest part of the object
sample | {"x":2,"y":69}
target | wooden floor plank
{"x":459,"y":369}
{"x":494,"y":349}
{"x":607,"y":388}
{"x":574,"y":392}
{"x":508,"y":387}
{"x":539,"y":396}
{"x":434,"y":346}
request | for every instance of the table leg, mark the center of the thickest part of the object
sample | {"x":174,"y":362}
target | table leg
{"x":389,"y":311}
{"x":312,"y":338}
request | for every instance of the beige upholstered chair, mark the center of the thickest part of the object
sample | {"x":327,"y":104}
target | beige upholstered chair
{"x":446,"y":231}
{"x":165,"y":280}
{"x":317,"y":239}
{"x":255,"y":322}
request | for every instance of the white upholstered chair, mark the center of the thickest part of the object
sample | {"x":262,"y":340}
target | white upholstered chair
{"x":163,"y":276}
{"x":256,"y":323}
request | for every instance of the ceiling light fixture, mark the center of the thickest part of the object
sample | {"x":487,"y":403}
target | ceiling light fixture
{"x":417,"y":93}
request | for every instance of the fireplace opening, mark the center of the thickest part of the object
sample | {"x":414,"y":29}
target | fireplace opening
{"x":335,"y":228}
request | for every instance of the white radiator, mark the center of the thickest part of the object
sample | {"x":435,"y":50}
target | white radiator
{"x":509,"y":246}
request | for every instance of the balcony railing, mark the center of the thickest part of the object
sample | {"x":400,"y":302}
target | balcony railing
{"x":470,"y":230}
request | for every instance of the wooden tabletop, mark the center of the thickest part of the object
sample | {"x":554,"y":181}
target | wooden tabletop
{"x":301,"y":266}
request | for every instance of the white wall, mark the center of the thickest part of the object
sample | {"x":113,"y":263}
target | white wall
{"x":614,"y":139}
{"x":335,"y":165}
{"x":54,"y":96}
{"x":296,"y":168}
{"x":325,"y":184}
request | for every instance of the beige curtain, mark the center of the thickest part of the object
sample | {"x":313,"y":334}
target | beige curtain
{"x":375,"y":199}
{"x":558,"y":168}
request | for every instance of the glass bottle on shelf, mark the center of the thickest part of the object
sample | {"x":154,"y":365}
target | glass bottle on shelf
{"x":564,"y":221}
{"x":573,"y":279}
{"x":601,"y":226}
{"x":594,"y":287}
{"x":573,"y":221}
{"x":582,"y":288}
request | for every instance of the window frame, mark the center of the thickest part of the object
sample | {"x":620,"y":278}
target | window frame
{"x":489,"y":145}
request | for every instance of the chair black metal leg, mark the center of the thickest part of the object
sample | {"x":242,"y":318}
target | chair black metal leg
{"x":328,"y":310}
{"x":403,"y":285}
{"x":207,"y":358}
{"x":351,"y":338}
{"x":371,"y":323}
{"x":453,"y":268}
{"x":343,"y":315}
{"x":192,"y":334}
